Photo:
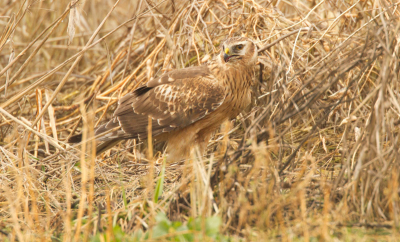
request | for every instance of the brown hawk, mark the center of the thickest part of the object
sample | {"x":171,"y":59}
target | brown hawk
{"x":186,"y":105}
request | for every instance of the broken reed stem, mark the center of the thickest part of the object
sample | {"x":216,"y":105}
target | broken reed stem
{"x":151,"y":161}
{"x":149,"y":139}
{"x":67,"y":236}
{"x":110,"y":234}
{"x":43,"y":136}
{"x":92,"y":160}
{"x":84,"y":174}
{"x":132,"y":33}
{"x":282,"y":38}
{"x":326,"y":214}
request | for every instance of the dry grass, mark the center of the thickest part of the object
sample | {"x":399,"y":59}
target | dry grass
{"x":316,"y":156}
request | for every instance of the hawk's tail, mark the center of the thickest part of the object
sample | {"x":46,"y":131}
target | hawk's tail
{"x":100,"y":148}
{"x":103,"y":147}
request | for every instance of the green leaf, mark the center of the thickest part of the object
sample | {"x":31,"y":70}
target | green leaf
{"x":118,"y":233}
{"x":212,"y":226}
{"x":161,"y":217}
{"x":161,"y":229}
{"x":162,"y":226}
{"x":34,"y":158}
{"x":176,"y":225}
{"x":159,"y":187}
{"x":96,"y":238}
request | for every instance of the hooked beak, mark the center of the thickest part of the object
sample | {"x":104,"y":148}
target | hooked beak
{"x":226,"y":57}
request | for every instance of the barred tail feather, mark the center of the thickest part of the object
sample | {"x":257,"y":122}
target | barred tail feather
{"x":100,"y":148}
{"x":106,"y":145}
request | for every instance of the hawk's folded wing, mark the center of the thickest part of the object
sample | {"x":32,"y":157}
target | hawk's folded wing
{"x":174,"y":100}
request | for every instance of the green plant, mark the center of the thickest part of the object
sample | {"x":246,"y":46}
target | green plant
{"x":195,"y":229}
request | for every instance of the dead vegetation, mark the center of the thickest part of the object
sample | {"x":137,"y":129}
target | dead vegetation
{"x":316,"y":153}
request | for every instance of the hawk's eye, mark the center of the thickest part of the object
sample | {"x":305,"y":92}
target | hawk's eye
{"x":239,"y":47}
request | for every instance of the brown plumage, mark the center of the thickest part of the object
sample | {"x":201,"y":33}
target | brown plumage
{"x":186,"y":105}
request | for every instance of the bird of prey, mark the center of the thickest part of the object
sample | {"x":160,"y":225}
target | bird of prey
{"x":186,"y":105}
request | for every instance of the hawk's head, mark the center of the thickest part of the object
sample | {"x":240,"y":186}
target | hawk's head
{"x":239,"y":50}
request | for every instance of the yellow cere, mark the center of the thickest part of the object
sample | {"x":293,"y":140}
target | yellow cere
{"x":226,"y":50}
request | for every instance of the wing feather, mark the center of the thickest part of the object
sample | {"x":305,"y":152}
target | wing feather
{"x":174,"y":100}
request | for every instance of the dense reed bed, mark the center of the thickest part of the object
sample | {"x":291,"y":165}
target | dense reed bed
{"x":315,"y":156}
